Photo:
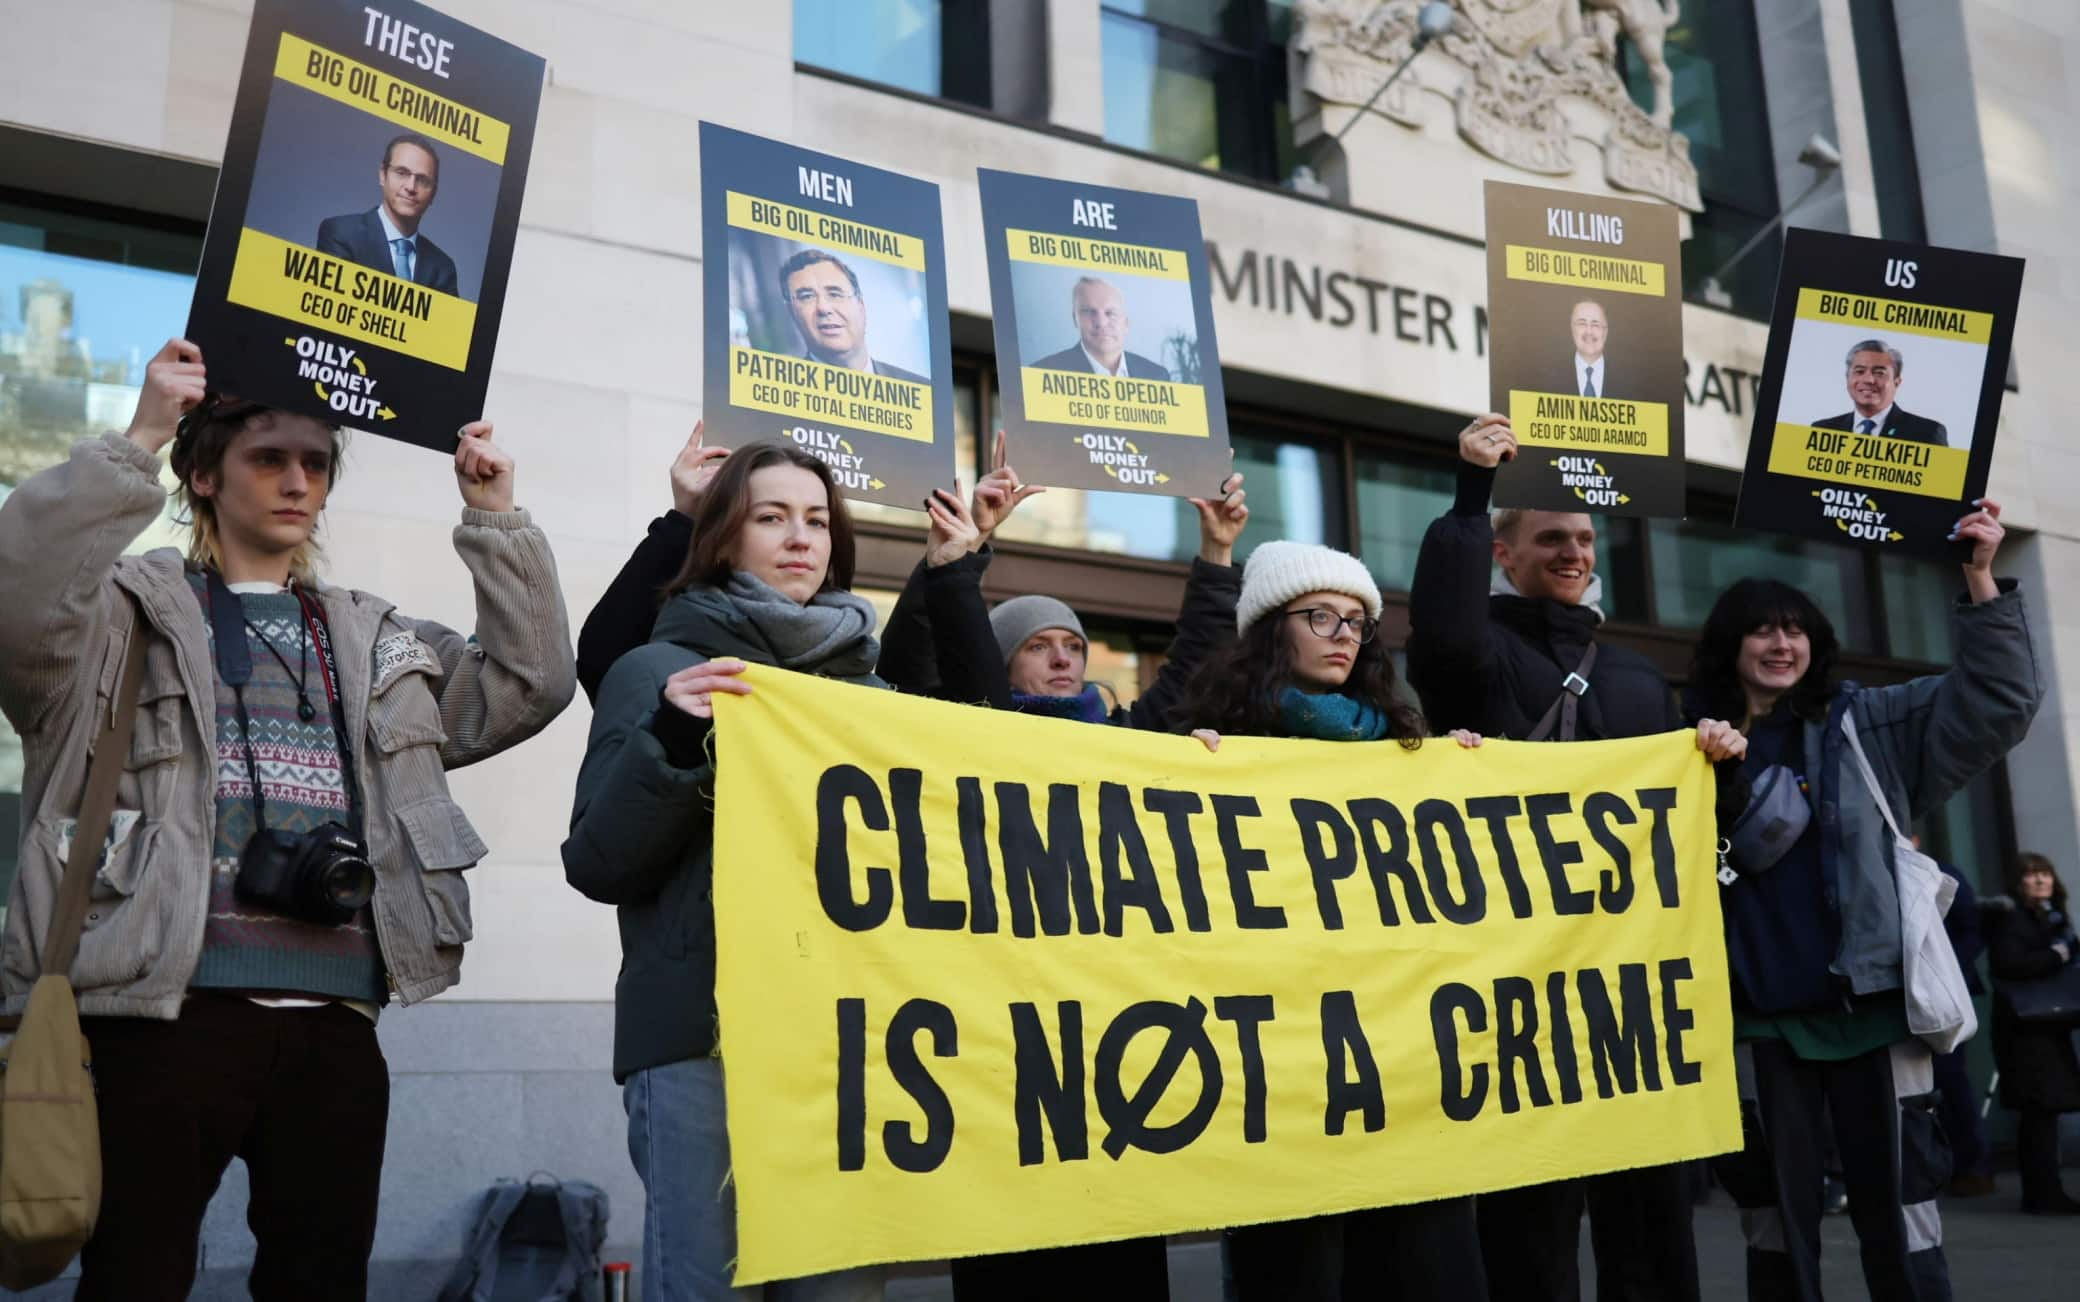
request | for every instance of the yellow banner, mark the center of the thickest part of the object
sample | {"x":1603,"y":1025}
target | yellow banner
{"x":1562,"y":420}
{"x":751,"y":213}
{"x":345,"y":298}
{"x":393,"y":99}
{"x":1585,"y":270}
{"x":1869,"y":461}
{"x":1096,"y":401}
{"x":991,"y":982}
{"x":1893,"y":316}
{"x":1097,"y":255}
{"x":797,"y":386}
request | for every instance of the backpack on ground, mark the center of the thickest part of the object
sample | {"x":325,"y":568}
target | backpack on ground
{"x":535,"y":1240}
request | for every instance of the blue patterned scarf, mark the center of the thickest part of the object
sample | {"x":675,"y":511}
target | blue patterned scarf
{"x":1329,"y":716}
{"x":1087,"y":706}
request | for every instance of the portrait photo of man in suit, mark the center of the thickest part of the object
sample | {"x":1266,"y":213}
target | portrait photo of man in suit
{"x":1100,"y":313}
{"x":387,"y":237}
{"x":1874,"y":368}
{"x":823,"y":296}
{"x":1587,"y":375}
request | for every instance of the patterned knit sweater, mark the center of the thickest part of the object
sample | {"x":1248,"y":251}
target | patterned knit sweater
{"x":247,"y":947}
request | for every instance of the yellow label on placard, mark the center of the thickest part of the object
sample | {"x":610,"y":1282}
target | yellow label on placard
{"x":1895,"y":316}
{"x":1104,"y":256}
{"x":392,"y":98}
{"x":1092,"y":401}
{"x":807,"y":226}
{"x":1562,"y":420}
{"x":345,"y":298}
{"x":1585,"y":270}
{"x":1873,"y":461}
{"x":804,"y":389}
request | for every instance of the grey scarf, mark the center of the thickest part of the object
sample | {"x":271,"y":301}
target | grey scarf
{"x":804,"y":637}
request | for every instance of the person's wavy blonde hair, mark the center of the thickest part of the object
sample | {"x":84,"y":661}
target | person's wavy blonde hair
{"x":206,"y":434}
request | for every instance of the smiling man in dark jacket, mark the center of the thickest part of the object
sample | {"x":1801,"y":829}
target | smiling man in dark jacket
{"x":1512,"y":658}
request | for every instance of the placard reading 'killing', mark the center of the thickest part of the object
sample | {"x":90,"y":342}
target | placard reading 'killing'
{"x":1880,"y":393}
{"x":1106,"y":359}
{"x":825,"y":317}
{"x":971,"y":1004}
{"x":1585,"y":313}
{"x":355,"y":267}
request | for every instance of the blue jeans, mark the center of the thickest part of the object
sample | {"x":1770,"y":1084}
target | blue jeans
{"x":680,"y":1146}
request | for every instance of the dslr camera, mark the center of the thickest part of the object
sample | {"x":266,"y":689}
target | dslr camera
{"x":322,"y":875}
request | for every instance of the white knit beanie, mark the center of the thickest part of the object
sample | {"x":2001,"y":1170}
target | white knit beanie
{"x":1277,"y":572}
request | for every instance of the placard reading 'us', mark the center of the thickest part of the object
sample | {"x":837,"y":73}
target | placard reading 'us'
{"x":970,"y":1005}
{"x":826,"y":325}
{"x":1880,"y":391}
{"x":355,"y":267}
{"x":1585,"y":328}
{"x":1106,"y":359}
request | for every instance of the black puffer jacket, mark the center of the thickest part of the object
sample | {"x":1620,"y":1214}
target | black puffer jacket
{"x":2039,"y":1068}
{"x":1495,"y":664}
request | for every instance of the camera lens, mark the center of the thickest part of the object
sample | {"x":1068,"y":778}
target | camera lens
{"x":347,"y":882}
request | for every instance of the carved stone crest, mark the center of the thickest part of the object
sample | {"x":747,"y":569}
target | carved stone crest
{"x":1520,"y":64}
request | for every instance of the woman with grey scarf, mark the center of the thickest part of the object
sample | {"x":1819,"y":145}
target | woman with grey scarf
{"x":766,"y":581}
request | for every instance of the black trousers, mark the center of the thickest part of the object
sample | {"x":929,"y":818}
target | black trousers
{"x":1895,"y":1161}
{"x":2036,"y":1157}
{"x":302,"y":1095}
{"x":1412,"y":1253}
{"x":1137,"y":1270}
{"x":1639,"y":1228}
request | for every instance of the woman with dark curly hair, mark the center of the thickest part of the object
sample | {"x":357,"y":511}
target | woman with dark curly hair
{"x":2040,"y":1073}
{"x":1308,"y":663}
{"x":1817,"y":900}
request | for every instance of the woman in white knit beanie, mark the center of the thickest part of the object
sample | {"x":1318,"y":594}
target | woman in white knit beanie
{"x":1309,"y":663}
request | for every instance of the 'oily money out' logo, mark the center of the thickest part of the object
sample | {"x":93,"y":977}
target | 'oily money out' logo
{"x":340,"y":378}
{"x":1589,"y":480}
{"x":1857,"y":514}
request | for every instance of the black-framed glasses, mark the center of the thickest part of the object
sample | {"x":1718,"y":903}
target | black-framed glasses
{"x":1323,"y":622}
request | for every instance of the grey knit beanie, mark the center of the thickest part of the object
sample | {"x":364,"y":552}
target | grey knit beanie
{"x":1019,"y":618}
{"x":1279,"y":571}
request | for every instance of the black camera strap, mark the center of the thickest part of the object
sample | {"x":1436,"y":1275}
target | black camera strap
{"x":235,"y":668}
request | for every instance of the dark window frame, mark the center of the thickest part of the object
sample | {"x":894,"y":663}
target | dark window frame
{"x":1264,"y":63}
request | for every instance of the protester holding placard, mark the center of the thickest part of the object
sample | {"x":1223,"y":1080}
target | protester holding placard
{"x":1822,"y":901}
{"x":1517,"y":656}
{"x":767,"y":580}
{"x":1307,"y":662}
{"x":284,"y":857}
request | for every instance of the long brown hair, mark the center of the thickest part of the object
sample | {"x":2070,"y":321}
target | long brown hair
{"x":1237,"y":690}
{"x":205,"y":435}
{"x":728,"y":501}
{"x":2027,"y":862}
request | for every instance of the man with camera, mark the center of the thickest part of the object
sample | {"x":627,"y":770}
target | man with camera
{"x":284,"y":856}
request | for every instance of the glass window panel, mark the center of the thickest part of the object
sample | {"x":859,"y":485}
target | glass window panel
{"x":896,"y":42}
{"x":1695,"y":561}
{"x":1221,"y":19}
{"x":1160,"y":93}
{"x":75,"y":334}
{"x":1295,"y":491}
{"x":1398,"y":497}
{"x":1919,"y":595}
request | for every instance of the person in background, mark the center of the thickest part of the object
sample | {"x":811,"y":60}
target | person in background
{"x":2040,"y":1077}
{"x":1813,"y":926}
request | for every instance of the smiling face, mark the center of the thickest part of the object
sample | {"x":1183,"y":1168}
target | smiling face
{"x":1050,"y":663}
{"x":1322,"y":664}
{"x":1101,"y":320}
{"x":1771,"y":661}
{"x":268,"y":490}
{"x":410,"y":176}
{"x":1589,"y":328}
{"x":1873,"y":380}
{"x":785,"y":539}
{"x":830,"y":313}
{"x":1549,"y":554}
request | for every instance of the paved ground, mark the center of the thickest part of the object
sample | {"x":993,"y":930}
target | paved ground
{"x":1995,"y":1253}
